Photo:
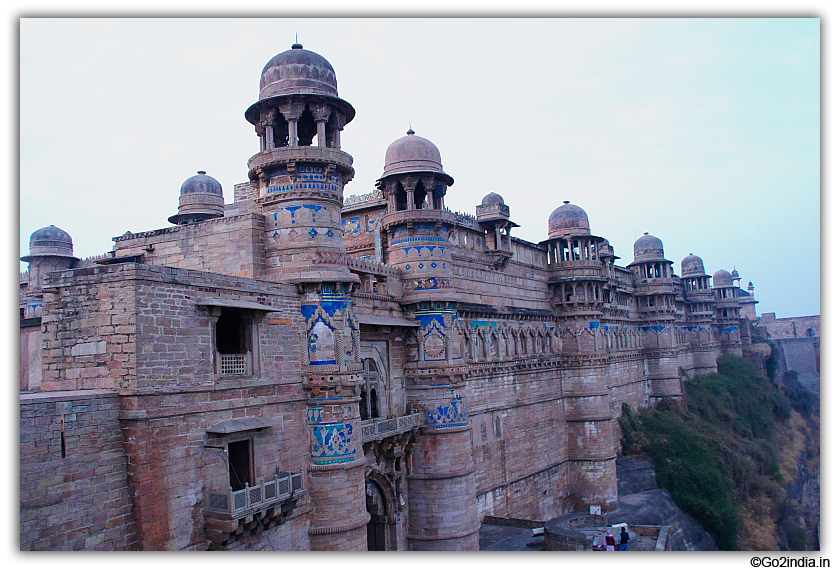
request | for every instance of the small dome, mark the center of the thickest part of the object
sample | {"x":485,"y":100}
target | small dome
{"x":201,"y":184}
{"x":412,"y":154}
{"x":722,"y":278}
{"x":692,"y":265}
{"x":648,"y":248}
{"x":735,"y":274}
{"x":298,"y":71}
{"x":49,"y":242}
{"x":566,"y":220}
{"x":201,"y":199}
{"x":491,"y":199}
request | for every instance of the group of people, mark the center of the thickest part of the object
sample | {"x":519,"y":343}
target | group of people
{"x":610,"y":543}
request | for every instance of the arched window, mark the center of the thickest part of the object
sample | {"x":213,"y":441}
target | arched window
{"x":369,"y":407}
{"x":401,"y":197}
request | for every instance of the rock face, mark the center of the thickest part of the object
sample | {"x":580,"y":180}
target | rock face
{"x":641,"y":502}
{"x":656,"y":507}
{"x":634,"y":476}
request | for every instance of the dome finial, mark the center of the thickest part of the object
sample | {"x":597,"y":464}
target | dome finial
{"x":296,"y":45}
{"x":410,"y":131}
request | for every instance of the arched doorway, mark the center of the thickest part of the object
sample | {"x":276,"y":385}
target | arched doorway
{"x":378,"y":537}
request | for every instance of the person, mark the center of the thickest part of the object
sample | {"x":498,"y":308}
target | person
{"x":609,"y":540}
{"x":624,"y":539}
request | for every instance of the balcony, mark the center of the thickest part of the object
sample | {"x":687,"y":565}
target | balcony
{"x":237,"y":504}
{"x":377,"y":429}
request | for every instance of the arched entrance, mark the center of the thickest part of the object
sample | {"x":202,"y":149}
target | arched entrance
{"x":379,"y":500}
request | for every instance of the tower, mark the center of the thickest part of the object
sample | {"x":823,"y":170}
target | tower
{"x":657,"y":293}
{"x":698,"y":300}
{"x":493,"y":215}
{"x":441,"y":498}
{"x":727,"y":311}
{"x":299,"y":175}
{"x":577,"y":276}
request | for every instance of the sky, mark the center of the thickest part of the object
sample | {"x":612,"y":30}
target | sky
{"x":704,"y":132}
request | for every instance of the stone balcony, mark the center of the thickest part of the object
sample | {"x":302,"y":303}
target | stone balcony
{"x":230,"y":514}
{"x":417,"y":215}
{"x":286,"y":154}
{"x":378,"y":428}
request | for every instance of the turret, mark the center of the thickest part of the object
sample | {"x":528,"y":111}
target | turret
{"x":50,"y":249}
{"x":201,"y":199}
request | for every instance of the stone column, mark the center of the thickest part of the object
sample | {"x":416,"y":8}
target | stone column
{"x":409,"y":186}
{"x":292,"y":114}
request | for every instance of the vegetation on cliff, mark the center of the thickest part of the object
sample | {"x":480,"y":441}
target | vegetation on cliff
{"x":724,"y":452}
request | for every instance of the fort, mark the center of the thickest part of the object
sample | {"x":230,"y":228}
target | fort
{"x":297,"y":370}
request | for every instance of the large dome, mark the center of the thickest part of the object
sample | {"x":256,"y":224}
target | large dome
{"x":298,"y":71}
{"x":568,"y":219}
{"x":412,"y":154}
{"x":692,"y":265}
{"x":49,"y":242}
{"x":648,"y":248}
{"x":201,"y":184}
{"x":722,"y":278}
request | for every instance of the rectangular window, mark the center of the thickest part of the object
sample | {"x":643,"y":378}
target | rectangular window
{"x":234,"y":342}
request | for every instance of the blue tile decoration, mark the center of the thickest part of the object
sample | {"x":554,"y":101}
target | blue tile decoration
{"x":333,"y":442}
{"x":292,"y":210}
{"x":449,"y":415}
{"x":315,"y":209}
{"x":313,"y":232}
{"x":430,"y":283}
{"x":427,"y":316}
{"x":330,"y":233}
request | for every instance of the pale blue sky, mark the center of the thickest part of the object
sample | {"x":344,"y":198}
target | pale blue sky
{"x":703,"y":132}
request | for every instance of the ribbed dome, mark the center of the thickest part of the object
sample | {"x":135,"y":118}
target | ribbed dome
{"x":566,"y":220}
{"x":648,"y":248}
{"x":201,"y":184}
{"x":49,"y":241}
{"x":692,"y":265}
{"x":491,"y":199}
{"x":298,"y":71}
{"x":722,"y":278}
{"x":412,"y":154}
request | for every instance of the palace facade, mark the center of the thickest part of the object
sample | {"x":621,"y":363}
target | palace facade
{"x":299,"y":371}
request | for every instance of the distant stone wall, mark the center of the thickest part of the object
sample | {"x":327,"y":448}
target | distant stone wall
{"x":74,"y":492}
{"x":803,"y":356}
{"x":789,"y":327}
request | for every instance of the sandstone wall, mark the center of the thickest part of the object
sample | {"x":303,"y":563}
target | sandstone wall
{"x":230,"y":245}
{"x":74,"y":495}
